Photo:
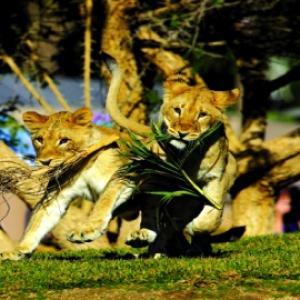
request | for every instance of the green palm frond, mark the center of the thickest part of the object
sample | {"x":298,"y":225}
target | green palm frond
{"x":168,"y":178}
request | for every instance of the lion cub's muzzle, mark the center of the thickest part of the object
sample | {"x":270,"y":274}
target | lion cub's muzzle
{"x":49,"y":162}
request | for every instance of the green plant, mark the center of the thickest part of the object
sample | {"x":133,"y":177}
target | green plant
{"x":145,"y":164}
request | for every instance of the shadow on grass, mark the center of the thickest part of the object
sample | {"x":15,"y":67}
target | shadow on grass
{"x":84,"y":255}
{"x":223,"y":253}
{"x":118,"y":255}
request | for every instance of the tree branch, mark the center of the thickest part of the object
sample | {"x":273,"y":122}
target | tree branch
{"x":292,"y":75}
{"x":255,"y":165}
{"x":167,"y":62}
{"x":273,"y":151}
{"x":285,"y":173}
{"x":163,"y":10}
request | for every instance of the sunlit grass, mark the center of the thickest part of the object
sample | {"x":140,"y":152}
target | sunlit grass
{"x":269,"y":263}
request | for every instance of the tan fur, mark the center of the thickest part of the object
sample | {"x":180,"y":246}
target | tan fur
{"x":113,"y":109}
{"x":188,"y":111}
{"x":57,"y":138}
{"x":5,"y":242}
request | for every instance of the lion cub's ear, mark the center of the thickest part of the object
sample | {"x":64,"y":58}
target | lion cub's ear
{"x":225,"y":99}
{"x":33,"y":120}
{"x":82,"y":116}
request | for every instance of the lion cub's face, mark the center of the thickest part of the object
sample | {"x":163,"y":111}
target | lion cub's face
{"x":59,"y":136}
{"x":188,"y":111}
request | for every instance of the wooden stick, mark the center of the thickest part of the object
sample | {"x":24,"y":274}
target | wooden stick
{"x":29,"y":87}
{"x":54,"y":89}
{"x":87,"y":52}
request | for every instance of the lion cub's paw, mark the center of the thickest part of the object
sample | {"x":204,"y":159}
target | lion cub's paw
{"x":12,"y":255}
{"x":159,"y":255}
{"x":82,"y":235}
{"x":141,"y":238}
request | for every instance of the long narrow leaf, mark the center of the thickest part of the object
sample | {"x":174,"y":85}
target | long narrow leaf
{"x":201,"y":192}
{"x":169,"y":173}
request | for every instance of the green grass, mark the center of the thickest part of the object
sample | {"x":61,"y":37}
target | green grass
{"x":268,"y":265}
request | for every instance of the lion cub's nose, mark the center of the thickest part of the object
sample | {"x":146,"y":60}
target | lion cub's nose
{"x":182,"y":134}
{"x":45,"y":162}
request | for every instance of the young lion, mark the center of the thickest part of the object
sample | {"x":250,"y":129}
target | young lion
{"x":57,"y":138}
{"x":186,"y":113}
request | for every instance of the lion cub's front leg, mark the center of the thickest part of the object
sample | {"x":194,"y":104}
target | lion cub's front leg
{"x":43,"y":219}
{"x":116,"y":192}
{"x":140,"y":238}
{"x":210,"y":217}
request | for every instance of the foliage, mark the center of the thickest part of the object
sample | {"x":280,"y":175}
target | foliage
{"x":153,"y":99}
{"x":14,"y":22}
{"x":13,"y":133}
{"x":214,"y":36}
{"x":266,"y":266}
{"x":145,"y":164}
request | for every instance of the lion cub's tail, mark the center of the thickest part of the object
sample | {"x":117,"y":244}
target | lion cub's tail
{"x":112,"y":102}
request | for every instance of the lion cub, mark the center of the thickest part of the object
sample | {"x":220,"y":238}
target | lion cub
{"x":57,"y":138}
{"x":186,"y":113}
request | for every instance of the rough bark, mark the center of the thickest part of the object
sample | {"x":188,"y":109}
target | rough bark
{"x":264,"y":167}
{"x":285,"y":172}
{"x":261,"y":175}
{"x":167,"y":62}
{"x":271,"y":152}
{"x":253,"y":207}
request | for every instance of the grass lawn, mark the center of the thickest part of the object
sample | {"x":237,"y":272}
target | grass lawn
{"x":255,"y":268}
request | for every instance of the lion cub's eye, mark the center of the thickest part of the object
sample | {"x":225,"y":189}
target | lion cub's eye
{"x":177,"y":110}
{"x":63,"y":141}
{"x":202,"y":114}
{"x":39,"y":140}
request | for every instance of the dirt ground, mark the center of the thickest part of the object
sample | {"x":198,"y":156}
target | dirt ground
{"x":126,"y":294}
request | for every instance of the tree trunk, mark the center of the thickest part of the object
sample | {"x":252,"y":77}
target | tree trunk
{"x":253,"y":207}
{"x":261,"y":176}
{"x":257,"y":186}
